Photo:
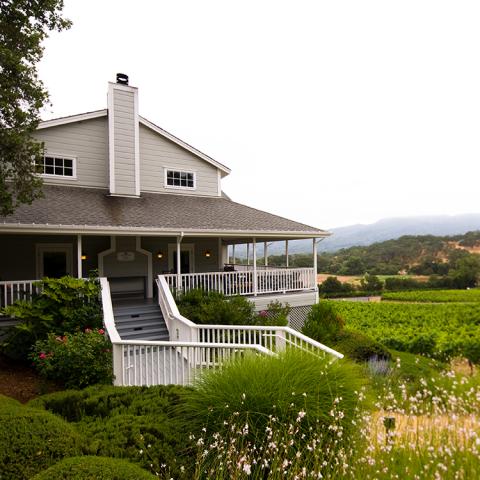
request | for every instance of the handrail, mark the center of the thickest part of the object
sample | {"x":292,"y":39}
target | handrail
{"x":108,"y":318}
{"x":170,"y":309}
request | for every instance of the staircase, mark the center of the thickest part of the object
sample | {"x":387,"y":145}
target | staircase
{"x":139,"y":320}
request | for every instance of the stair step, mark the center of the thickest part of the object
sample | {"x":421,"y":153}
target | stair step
{"x":150,"y":337}
{"x":141,"y":324}
{"x":136,"y":309}
{"x":138,"y":317}
{"x":143,"y":334}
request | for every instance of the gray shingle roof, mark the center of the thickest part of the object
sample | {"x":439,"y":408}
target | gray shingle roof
{"x":91,"y":209}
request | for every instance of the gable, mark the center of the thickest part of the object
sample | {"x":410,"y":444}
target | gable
{"x":157,"y":154}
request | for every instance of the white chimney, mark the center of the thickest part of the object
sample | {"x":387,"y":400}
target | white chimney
{"x":123,"y":141}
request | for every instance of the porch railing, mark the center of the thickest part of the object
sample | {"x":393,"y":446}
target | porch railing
{"x":192,"y":348}
{"x":11,"y":291}
{"x":246,"y":282}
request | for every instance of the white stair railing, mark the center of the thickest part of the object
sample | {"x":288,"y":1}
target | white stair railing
{"x":273,"y":338}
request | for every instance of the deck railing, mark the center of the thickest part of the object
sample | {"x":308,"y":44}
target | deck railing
{"x":192,"y":348}
{"x":11,"y":291}
{"x":246,"y":282}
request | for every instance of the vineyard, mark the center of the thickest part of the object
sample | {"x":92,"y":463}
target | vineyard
{"x":434,"y":296}
{"x":442,"y":330}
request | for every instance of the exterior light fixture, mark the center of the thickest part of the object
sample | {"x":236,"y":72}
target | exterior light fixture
{"x":83,"y":257}
{"x":208,"y":253}
{"x":160,"y":255}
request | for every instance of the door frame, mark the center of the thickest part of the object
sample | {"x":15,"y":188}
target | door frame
{"x":41,"y":248}
{"x":184,"y":247}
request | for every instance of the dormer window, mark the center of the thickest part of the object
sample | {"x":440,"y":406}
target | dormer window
{"x":179,"y":179}
{"x":57,"y":166}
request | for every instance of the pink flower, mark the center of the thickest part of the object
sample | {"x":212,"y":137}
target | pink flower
{"x":42,"y":355}
{"x":263,"y":313}
{"x":88,"y":330}
{"x":101,"y":331}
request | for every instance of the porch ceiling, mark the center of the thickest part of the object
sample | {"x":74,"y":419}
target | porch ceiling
{"x":93,"y":211}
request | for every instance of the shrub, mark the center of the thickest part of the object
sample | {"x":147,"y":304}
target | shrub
{"x":292,"y":388}
{"x":99,"y":468}
{"x":64,"y":305}
{"x":275,"y":314}
{"x":136,"y":423}
{"x":323,"y":323}
{"x":32,"y":440}
{"x":77,"y":360}
{"x":359,"y":347}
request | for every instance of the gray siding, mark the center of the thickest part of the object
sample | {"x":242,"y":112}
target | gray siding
{"x":156,"y":153}
{"x":124,"y":138}
{"x":88,"y":142}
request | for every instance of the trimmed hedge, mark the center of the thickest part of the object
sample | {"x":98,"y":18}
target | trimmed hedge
{"x":32,"y":440}
{"x":359,"y":347}
{"x":135,"y":423}
{"x":98,"y":468}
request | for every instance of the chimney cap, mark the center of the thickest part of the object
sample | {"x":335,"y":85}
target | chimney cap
{"x":122,"y":78}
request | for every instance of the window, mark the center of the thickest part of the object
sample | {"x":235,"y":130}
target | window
{"x":57,"y":165}
{"x":179,"y":179}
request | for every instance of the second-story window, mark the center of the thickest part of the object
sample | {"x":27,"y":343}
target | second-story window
{"x":56,"y":165}
{"x":179,"y":179}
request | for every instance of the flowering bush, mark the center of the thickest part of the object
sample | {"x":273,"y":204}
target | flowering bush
{"x":77,"y":360}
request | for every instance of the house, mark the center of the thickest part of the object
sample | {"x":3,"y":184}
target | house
{"x":130,"y":200}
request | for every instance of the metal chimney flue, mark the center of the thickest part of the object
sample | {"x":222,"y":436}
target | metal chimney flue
{"x":122,"y":78}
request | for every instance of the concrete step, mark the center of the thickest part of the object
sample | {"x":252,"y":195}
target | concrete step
{"x":144,"y":334}
{"x":136,"y":309}
{"x":138,"y":317}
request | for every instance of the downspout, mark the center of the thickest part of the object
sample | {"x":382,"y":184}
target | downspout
{"x":179,"y":263}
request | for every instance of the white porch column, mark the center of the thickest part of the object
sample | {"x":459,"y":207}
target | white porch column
{"x":315,"y":267}
{"x":265,"y":253}
{"x":248,"y":253}
{"x":179,"y":263}
{"x":79,"y":257}
{"x":233,"y":251}
{"x":255,"y":280}
{"x":286,"y":253}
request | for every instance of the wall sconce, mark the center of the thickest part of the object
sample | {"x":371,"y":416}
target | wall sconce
{"x":160,"y":255}
{"x":83,"y":257}
{"x":208,"y":253}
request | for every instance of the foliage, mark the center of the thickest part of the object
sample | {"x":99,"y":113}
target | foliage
{"x":323,"y":323}
{"x":371,"y":283}
{"x":359,"y":347}
{"x":439,"y":330}
{"x":404,"y":283}
{"x":437,"y":296}
{"x":65,"y":305}
{"x":214,"y":308}
{"x":333,"y":285}
{"x":24,"y":25}
{"x":32,"y":440}
{"x":136,"y":423}
{"x":252,"y":391}
{"x":89,"y":467}
{"x":76,"y":360}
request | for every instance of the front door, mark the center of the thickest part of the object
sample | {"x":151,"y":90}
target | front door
{"x":54,"y":260}
{"x":184,"y":261}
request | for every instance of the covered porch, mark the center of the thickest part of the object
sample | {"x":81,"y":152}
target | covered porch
{"x":132,"y":262}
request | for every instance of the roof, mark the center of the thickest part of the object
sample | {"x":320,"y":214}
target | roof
{"x":75,"y":210}
{"x":147,"y":123}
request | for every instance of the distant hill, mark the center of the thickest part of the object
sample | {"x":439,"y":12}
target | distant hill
{"x":386,"y":229}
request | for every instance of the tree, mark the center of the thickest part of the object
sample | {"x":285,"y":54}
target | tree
{"x":24,"y":24}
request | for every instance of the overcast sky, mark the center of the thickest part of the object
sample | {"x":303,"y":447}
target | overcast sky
{"x":328,"y":112}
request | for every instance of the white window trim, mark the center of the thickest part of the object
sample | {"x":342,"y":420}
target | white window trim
{"x":67,"y":157}
{"x":174,"y":187}
{"x":41,"y":248}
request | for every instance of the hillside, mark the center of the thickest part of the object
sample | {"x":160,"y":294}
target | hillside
{"x":422,"y":255}
{"x":385,"y":229}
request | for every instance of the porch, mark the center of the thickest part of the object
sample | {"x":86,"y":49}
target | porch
{"x":131,"y":263}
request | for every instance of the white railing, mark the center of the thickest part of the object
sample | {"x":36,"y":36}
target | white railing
{"x":272,"y":338}
{"x":192,"y":348}
{"x":163,"y":363}
{"x":246,"y":282}
{"x":11,"y":291}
